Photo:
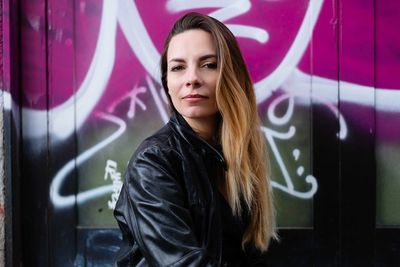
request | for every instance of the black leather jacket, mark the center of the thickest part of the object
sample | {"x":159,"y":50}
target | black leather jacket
{"x":168,"y":209}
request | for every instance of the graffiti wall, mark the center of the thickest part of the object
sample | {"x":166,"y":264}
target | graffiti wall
{"x":90,"y":93}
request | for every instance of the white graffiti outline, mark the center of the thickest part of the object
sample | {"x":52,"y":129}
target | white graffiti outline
{"x":289,"y":188}
{"x":125,"y":13}
{"x":299,"y":84}
{"x":144,"y":49}
{"x":90,"y":90}
{"x":285,"y":118}
{"x":60,"y":201}
{"x":228,"y":10}
{"x":135,"y":32}
{"x":271,"y":135}
{"x":266,"y":86}
{"x":134,"y":100}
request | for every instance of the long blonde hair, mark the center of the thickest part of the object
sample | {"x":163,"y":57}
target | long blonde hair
{"x":243,"y":145}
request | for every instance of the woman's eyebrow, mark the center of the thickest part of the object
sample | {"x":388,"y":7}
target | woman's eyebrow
{"x":205,"y":57}
{"x":176,"y":60}
{"x":202,"y":58}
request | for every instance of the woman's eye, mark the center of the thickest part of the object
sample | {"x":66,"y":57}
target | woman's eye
{"x":177,"y":68}
{"x":210,"y":65}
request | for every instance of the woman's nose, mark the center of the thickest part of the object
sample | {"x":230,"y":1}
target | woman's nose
{"x":192,"y":78}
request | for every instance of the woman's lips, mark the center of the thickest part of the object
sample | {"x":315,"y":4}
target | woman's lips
{"x":194,"y":96}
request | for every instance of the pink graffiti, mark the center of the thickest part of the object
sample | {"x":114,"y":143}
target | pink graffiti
{"x":339,"y":53}
{"x":271,"y":53}
{"x":134,"y":101}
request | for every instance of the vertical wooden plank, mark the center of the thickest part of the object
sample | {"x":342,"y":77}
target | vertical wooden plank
{"x":357,"y":155}
{"x":34,"y":104}
{"x":90,"y":173}
{"x":387,"y":81}
{"x":387,"y":88}
{"x":61,"y":123}
{"x":316,"y":77}
{"x":324,"y":69}
{"x":12,"y":127}
{"x":4,"y":89}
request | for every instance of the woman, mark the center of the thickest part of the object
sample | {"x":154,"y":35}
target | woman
{"x":197,"y":193}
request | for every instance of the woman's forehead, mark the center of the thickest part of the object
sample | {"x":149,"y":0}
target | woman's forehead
{"x":194,"y":42}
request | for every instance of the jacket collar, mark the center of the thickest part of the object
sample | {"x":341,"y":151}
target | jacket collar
{"x":184,"y":130}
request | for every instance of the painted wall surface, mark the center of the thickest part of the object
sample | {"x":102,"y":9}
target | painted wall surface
{"x":103,"y":86}
{"x":4,"y":85}
{"x":2,"y":181}
{"x":91,"y":92}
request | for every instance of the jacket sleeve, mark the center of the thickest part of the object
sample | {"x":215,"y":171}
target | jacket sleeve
{"x":152,"y":210}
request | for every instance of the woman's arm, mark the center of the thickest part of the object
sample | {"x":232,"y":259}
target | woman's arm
{"x":151,"y":209}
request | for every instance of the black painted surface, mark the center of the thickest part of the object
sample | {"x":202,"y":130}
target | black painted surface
{"x":343,"y":233}
{"x":97,"y":247}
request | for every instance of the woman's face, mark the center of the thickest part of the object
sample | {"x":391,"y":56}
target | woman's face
{"x":192,"y":74}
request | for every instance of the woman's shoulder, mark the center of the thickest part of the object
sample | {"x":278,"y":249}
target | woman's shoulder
{"x":155,"y":159}
{"x":160,"y":145}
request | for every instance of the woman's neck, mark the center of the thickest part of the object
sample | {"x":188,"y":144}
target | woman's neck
{"x":204,"y":127}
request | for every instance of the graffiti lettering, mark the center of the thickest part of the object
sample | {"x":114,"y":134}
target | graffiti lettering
{"x":115,"y":176}
{"x":127,"y":14}
{"x":134,"y":100}
{"x":60,"y":201}
{"x":271,"y":135}
{"x":228,"y":10}
{"x":285,"y":76}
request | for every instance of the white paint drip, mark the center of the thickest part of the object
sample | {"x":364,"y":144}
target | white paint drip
{"x":296,"y":154}
{"x":7,"y":101}
{"x":300,"y":171}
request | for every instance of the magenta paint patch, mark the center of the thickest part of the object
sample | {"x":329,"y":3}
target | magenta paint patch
{"x":67,"y":58}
